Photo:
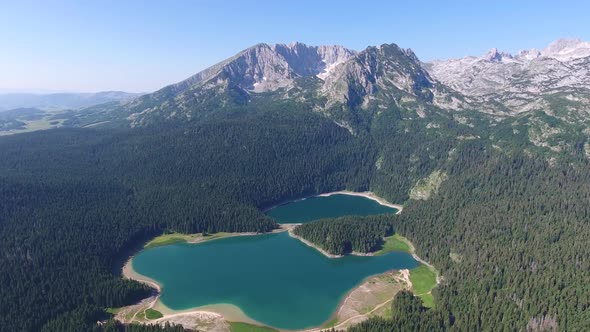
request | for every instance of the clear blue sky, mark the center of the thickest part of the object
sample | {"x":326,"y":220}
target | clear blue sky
{"x":144,"y":45}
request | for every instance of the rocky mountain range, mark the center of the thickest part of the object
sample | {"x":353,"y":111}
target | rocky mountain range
{"x":522,"y":82}
{"x":330,"y":79}
{"x":335,"y":80}
{"x":546,"y":91}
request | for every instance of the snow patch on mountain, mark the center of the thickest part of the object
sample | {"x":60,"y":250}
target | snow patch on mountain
{"x":328,"y":69}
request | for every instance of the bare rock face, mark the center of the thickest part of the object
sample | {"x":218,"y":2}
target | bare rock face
{"x":387,"y":74}
{"x":567,"y":49}
{"x":519,"y":82}
{"x":264,"y":68}
{"x":347,"y":75}
{"x":313,"y":60}
{"x":260,"y":68}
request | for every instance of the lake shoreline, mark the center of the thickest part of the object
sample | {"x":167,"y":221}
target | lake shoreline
{"x":324,"y":252}
{"x":230,"y":312}
{"x":366,"y":194}
{"x":313,"y":245}
{"x":404,"y":278}
{"x":224,"y":311}
{"x":227,"y":311}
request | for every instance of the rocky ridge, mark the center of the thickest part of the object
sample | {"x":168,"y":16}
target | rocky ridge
{"x":520,"y":82}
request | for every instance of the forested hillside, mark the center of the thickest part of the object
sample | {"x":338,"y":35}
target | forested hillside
{"x":508,"y":234}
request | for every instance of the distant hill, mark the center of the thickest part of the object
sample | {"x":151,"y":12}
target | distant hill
{"x":61,"y":101}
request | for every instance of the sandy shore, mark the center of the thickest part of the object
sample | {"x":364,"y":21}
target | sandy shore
{"x":130,"y":273}
{"x":367,"y":194}
{"x":430,"y":266}
{"x":345,"y":320}
{"x":228,"y":311}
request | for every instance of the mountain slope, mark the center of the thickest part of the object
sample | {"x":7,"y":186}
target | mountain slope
{"x":20,"y":112}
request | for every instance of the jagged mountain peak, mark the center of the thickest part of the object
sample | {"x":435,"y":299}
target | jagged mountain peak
{"x":332,"y":77}
{"x":383,"y":75}
{"x":393,"y":49}
{"x":495,"y":55}
{"x":561,"y":50}
{"x":528,"y":55}
{"x":264,"y":67}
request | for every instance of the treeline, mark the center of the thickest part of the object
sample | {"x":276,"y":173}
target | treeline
{"x":114,"y":326}
{"x":344,"y":235}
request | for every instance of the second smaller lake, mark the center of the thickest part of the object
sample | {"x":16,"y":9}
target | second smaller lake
{"x":319,"y":207}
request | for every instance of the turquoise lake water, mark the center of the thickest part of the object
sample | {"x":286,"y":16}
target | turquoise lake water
{"x":273,"y":278}
{"x":333,"y":206}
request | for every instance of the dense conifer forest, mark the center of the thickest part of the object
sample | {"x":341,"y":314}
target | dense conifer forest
{"x":509,"y":235}
{"x":113,"y":326}
{"x":407,"y":314}
{"x":344,"y":235}
{"x":507,"y":229}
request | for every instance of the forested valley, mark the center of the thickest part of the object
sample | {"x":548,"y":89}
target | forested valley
{"x":507,"y":229}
